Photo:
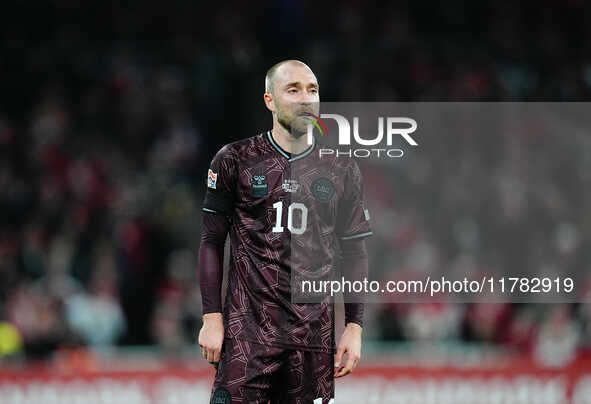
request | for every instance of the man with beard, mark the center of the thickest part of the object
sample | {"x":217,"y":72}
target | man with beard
{"x":291,"y":215}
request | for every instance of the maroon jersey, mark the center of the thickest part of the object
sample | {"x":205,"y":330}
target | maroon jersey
{"x":288,"y":215}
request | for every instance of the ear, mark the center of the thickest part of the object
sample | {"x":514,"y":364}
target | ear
{"x":269,"y":102}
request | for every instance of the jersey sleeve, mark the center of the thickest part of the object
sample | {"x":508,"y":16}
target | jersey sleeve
{"x":221,"y":183}
{"x":354,"y":265}
{"x":353,"y":217}
{"x":211,"y":258}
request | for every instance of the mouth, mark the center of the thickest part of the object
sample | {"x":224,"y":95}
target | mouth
{"x":306,"y":114}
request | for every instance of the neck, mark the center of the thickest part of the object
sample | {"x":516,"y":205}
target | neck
{"x":287,"y":141}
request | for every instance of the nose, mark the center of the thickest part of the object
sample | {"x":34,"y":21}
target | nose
{"x":307,"y":97}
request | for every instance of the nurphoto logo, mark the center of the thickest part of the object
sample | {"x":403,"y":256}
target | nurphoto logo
{"x":394,"y":126}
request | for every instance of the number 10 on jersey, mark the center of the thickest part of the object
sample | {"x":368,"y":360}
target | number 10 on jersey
{"x":290,"y":212}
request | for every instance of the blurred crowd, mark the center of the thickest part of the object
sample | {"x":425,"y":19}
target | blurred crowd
{"x":110,"y":115}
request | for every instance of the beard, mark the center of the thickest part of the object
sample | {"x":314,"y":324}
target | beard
{"x":297,"y":130}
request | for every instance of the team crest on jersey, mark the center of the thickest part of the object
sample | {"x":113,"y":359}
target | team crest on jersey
{"x":212,"y":178}
{"x":322,"y":189}
{"x":259,"y":186}
{"x":290,"y":186}
{"x":221,"y":396}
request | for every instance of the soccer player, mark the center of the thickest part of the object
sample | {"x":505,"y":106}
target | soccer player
{"x":290,"y":214}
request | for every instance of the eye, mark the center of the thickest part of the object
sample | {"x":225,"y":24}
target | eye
{"x":314,"y":91}
{"x":292,"y":91}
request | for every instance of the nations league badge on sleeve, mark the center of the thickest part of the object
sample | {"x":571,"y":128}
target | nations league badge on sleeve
{"x":212,"y":178}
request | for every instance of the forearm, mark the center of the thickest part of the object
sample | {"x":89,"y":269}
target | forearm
{"x":354,"y":266}
{"x":211,"y":258}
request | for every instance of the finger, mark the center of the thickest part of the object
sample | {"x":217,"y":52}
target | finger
{"x":210,"y":355}
{"x":348,"y":368}
{"x":351,"y":363}
{"x":338,"y":359}
{"x":204,"y":353}
{"x":216,"y":355}
{"x":355,"y":360}
{"x":342,"y":372}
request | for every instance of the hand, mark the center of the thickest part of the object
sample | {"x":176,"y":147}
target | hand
{"x":349,"y":344}
{"x":211,"y":337}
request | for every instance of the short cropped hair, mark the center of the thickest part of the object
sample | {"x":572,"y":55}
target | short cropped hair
{"x":270,"y":76}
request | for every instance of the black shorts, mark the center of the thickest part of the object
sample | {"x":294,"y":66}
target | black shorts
{"x":252,"y":373}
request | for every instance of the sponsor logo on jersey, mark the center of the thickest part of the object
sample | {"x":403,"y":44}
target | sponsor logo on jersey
{"x":322,"y":189}
{"x":221,"y":396}
{"x":259,"y":186}
{"x":290,"y":186}
{"x":212,"y":178}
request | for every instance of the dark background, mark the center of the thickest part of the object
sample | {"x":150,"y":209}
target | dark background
{"x":110,"y":114}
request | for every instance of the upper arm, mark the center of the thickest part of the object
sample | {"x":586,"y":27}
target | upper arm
{"x":353,"y":217}
{"x":221,"y":183}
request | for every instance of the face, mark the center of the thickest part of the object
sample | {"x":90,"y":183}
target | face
{"x":295,"y":94}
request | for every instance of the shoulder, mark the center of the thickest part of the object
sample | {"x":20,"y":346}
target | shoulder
{"x":342,"y":166}
{"x":242,"y":147}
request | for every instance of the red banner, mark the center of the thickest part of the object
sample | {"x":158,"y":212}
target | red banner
{"x":518,"y":382}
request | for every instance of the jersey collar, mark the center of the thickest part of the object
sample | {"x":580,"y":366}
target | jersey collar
{"x":287,"y":156}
